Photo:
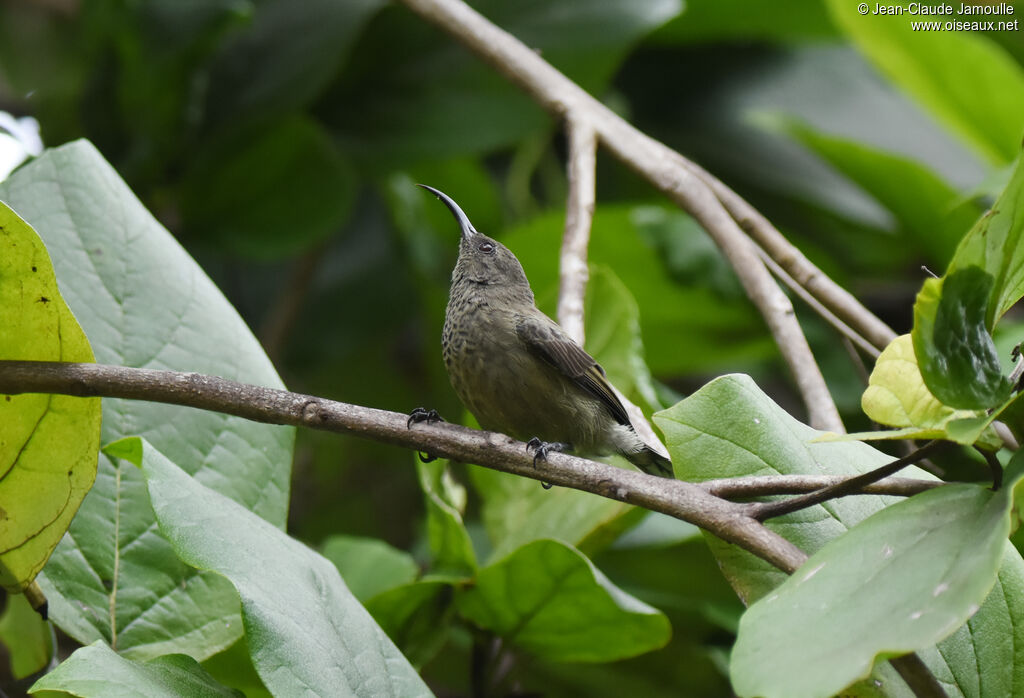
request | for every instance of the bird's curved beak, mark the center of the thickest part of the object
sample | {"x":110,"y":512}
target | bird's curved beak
{"x":465,"y":226}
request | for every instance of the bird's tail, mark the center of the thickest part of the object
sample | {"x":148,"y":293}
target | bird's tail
{"x":651,"y":462}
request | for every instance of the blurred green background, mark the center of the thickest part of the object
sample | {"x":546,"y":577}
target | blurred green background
{"x":279,"y":140}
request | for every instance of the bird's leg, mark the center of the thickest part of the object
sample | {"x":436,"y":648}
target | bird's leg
{"x":422,"y":414}
{"x":543,"y":448}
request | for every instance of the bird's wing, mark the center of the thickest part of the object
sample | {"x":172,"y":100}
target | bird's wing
{"x":547,"y":341}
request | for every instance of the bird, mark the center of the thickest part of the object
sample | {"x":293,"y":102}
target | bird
{"x":517,"y":370}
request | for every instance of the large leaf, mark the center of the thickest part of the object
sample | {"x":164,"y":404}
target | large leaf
{"x":96,"y":671}
{"x":48,"y":443}
{"x":994,"y":244}
{"x":29,"y":641}
{"x":263,"y":70}
{"x":900,"y":581}
{"x":954,"y":349}
{"x":928,"y":210}
{"x":416,"y":617}
{"x":729,"y":428}
{"x":369,"y":566}
{"x":549,"y":599}
{"x":407,"y":99}
{"x":272,"y":193}
{"x":741,"y":20}
{"x":449,"y":541}
{"x":965,"y":79}
{"x":305,"y":629}
{"x":144,"y":302}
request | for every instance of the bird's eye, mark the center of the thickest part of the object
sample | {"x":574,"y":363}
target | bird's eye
{"x":486,"y":247}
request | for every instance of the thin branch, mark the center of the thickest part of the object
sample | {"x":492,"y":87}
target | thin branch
{"x":833,"y":296}
{"x":764,"y":485}
{"x":579,"y":213}
{"x":682,"y":500}
{"x":662,"y":166}
{"x":573,"y":274}
{"x":848,"y":333}
{"x":767,"y":510}
{"x":918,"y":676}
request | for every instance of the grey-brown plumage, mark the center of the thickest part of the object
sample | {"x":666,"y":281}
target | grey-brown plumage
{"x":517,"y":371}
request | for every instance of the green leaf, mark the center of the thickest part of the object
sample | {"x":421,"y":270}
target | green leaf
{"x":96,"y":670}
{"x":262,"y":70}
{"x":549,"y":599}
{"x":902,"y":580}
{"x":417,"y":617}
{"x":369,"y":566}
{"x":29,"y":640}
{"x":705,"y":21}
{"x":48,"y":443}
{"x":898,"y":397}
{"x":612,"y":335}
{"x":930,"y":212}
{"x":518,"y":510}
{"x":729,"y":428}
{"x":270,"y":194}
{"x":964,"y":79}
{"x":449,"y":540}
{"x":995,"y":245}
{"x":144,"y":302}
{"x":233,"y":667}
{"x":955,"y":352}
{"x":305,"y":629}
{"x":406,"y":99}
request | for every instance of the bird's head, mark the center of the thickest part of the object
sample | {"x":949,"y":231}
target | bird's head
{"x":483,"y":260}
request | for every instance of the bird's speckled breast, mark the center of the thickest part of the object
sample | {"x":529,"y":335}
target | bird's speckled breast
{"x":506,"y":388}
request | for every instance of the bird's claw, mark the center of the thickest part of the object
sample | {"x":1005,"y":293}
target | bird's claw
{"x":543,"y":448}
{"x":422,"y":414}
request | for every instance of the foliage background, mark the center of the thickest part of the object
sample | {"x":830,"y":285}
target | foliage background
{"x":279,"y":140}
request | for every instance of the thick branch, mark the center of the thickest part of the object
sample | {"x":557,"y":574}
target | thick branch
{"x":579,"y":213}
{"x":679,"y":499}
{"x":662,"y":167}
{"x":676,"y":498}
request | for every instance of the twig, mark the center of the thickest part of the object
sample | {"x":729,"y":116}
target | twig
{"x":847,"y":332}
{"x":573,"y":274}
{"x":994,"y":465}
{"x":661,"y":166}
{"x":764,"y":485}
{"x":682,"y":500}
{"x":789,"y":257}
{"x":767,"y":510}
{"x":915,"y":672}
{"x":579,"y":213}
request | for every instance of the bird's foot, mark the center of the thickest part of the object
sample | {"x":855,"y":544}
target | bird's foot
{"x":543,"y":448}
{"x":541,"y":451}
{"x":422,"y":414}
